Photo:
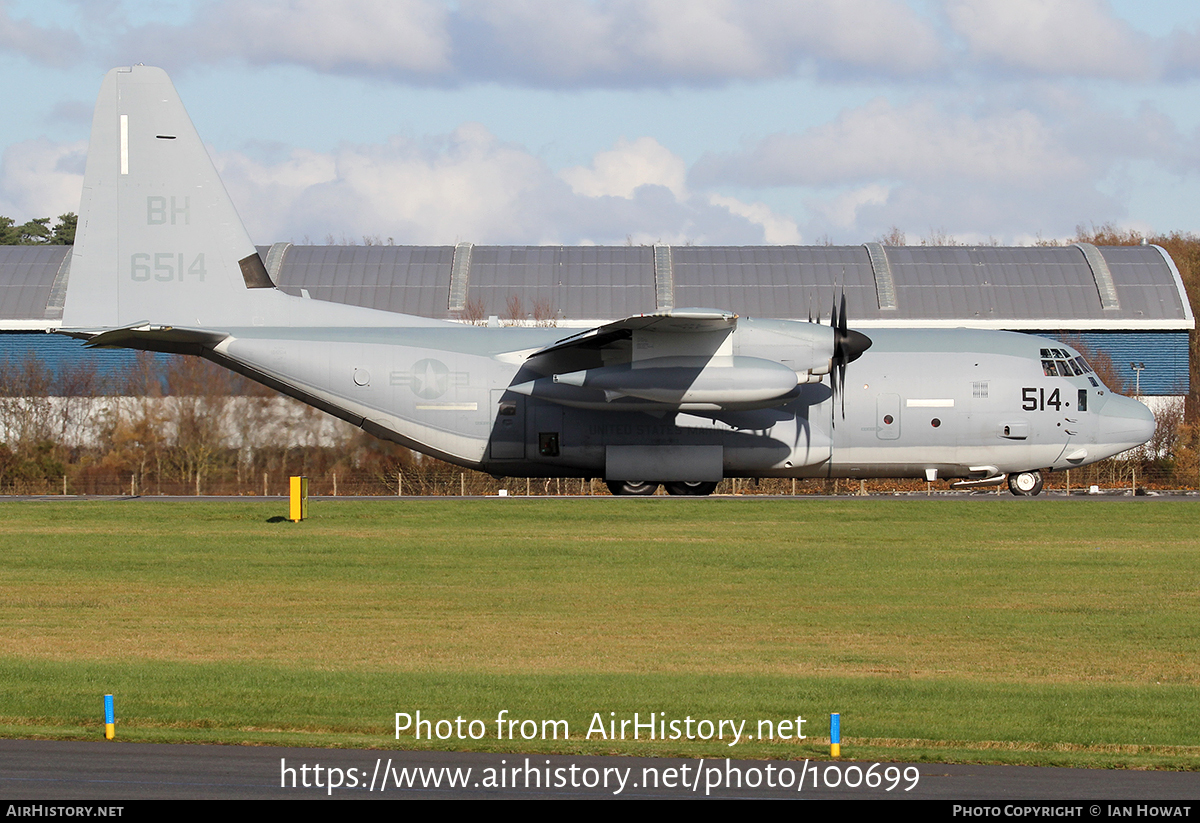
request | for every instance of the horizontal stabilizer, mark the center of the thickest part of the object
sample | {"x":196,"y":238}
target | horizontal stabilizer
{"x":144,"y":336}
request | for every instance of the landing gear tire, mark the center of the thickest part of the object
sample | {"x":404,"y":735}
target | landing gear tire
{"x":694,"y":489}
{"x":641,"y":488}
{"x":1025,"y":484}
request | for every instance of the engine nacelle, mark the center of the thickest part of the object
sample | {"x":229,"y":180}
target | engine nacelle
{"x":716,"y":381}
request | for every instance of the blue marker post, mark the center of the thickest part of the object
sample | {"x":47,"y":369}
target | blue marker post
{"x":835,"y":734}
{"x":109,"y":718}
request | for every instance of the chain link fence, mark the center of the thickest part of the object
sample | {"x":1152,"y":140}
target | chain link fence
{"x":442,"y":480}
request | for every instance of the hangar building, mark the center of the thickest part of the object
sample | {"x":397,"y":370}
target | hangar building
{"x":1127,"y":301}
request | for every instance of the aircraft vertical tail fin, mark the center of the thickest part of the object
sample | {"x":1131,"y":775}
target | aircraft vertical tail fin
{"x":159,"y":240}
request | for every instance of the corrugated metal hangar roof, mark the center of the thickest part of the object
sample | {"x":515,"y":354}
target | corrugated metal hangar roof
{"x":1057,"y":287}
{"x":1045,"y":287}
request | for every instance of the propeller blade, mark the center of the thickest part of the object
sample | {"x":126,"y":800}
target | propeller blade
{"x":848,"y":346}
{"x":841,"y":373}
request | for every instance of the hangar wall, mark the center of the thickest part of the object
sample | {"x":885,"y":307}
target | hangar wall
{"x":1127,"y":301}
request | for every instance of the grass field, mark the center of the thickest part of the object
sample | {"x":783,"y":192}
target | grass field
{"x":1058,"y":632}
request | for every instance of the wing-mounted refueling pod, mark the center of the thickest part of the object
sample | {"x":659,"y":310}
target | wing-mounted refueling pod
{"x":685,"y":360}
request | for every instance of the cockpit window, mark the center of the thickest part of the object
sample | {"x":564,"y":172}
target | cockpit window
{"x":1063,"y":363}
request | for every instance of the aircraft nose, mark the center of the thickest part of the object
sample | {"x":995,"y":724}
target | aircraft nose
{"x":1125,"y":423}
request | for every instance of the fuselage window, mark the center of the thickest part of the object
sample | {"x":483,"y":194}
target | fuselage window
{"x":1049,"y":369}
{"x":1082,"y":404}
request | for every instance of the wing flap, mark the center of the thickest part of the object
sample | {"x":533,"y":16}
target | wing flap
{"x":672,"y":321}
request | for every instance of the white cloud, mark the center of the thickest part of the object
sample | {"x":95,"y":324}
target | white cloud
{"x":646,"y":42}
{"x":842,"y":210}
{"x":1183,"y":52}
{"x":990,"y":170}
{"x":1063,"y":37}
{"x":620,"y":171}
{"x":971,"y":213}
{"x":470,"y":186}
{"x":40,"y":178}
{"x":48,"y":46}
{"x":777,"y":230}
{"x":917,"y":142}
{"x":640,"y":43}
{"x":552,"y":43}
{"x":406,"y":37}
{"x":882,"y":36}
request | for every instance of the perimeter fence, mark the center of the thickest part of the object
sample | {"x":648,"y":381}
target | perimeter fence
{"x":446,"y":481}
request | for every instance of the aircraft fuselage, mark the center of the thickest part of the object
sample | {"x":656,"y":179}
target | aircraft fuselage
{"x":961,"y":403}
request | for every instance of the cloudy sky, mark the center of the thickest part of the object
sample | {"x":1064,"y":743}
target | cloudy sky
{"x":607,"y":121}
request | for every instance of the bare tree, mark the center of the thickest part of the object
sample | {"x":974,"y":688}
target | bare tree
{"x":514,"y":309}
{"x":198,"y":408}
{"x":543,"y":313}
{"x":938,"y":237}
{"x":474,"y":312}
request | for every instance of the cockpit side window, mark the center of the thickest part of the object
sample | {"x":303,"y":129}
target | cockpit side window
{"x":1063,"y":363}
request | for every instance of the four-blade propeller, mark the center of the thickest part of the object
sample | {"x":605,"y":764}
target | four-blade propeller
{"x":848,"y":346}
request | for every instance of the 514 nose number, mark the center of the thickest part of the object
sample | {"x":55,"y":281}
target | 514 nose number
{"x":1036,"y":400}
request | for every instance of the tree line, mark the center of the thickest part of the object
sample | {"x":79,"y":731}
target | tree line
{"x":39,"y":232}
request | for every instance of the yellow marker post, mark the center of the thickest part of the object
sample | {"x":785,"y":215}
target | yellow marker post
{"x":299,"y":500}
{"x":110,"y":724}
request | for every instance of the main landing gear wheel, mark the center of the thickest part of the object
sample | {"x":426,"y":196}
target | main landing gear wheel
{"x":694,"y":488}
{"x":1025,"y":484}
{"x":636,"y":487}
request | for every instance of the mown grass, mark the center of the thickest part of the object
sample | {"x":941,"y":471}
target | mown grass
{"x":1034,"y":631}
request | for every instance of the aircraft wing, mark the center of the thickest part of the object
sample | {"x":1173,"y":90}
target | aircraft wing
{"x":672,"y":321}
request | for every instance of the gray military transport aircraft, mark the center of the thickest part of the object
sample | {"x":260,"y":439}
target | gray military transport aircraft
{"x":680,"y":398}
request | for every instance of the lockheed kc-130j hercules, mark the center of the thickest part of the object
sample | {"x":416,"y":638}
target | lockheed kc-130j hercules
{"x":681,"y":398}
